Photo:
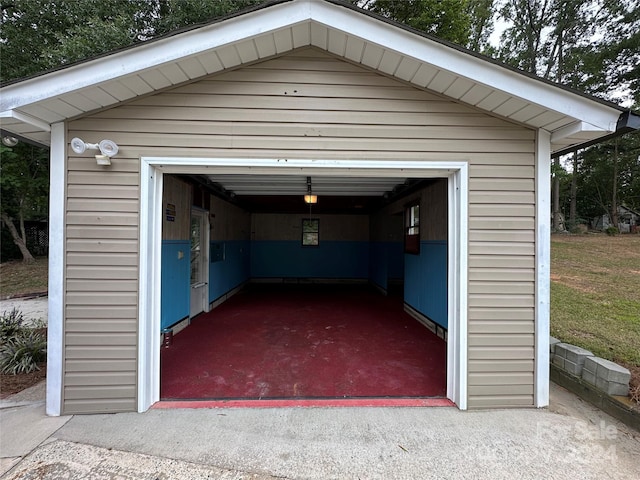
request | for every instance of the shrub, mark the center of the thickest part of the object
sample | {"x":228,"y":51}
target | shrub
{"x":21,"y":347}
{"x":23,"y":353}
{"x":11,"y":324}
{"x":611,"y":231}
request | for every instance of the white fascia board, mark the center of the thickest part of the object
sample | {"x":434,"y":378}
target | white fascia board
{"x":465,"y":65}
{"x":153,"y":54}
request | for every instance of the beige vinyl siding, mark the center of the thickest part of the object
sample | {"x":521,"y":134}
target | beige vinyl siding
{"x":100,"y":332}
{"x":306,"y":104}
{"x":501,"y":292}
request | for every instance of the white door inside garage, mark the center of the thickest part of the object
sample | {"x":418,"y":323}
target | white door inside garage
{"x":199,"y":262}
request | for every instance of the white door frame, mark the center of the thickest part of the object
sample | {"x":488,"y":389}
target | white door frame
{"x":152,"y":170}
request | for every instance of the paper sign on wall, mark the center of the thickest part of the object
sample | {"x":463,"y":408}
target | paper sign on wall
{"x":171,"y":212}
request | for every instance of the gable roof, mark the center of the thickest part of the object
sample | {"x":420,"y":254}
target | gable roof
{"x":29,"y":107}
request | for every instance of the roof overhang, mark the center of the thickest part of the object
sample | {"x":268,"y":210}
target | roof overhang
{"x":628,"y":122}
{"x":28,"y":108}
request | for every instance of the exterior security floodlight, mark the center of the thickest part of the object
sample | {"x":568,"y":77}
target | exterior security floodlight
{"x":108,"y":149}
{"x":79,"y":146}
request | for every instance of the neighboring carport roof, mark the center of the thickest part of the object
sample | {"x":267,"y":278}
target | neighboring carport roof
{"x":30,"y":106}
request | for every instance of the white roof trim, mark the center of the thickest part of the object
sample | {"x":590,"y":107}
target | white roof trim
{"x":277,"y":29}
{"x":151,"y":55}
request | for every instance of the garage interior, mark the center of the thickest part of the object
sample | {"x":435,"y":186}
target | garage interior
{"x":342,"y":298}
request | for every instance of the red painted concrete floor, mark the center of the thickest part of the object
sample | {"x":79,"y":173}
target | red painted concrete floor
{"x":304,"y":342}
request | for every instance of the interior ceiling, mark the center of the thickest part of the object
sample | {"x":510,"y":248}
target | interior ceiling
{"x":285,"y":193}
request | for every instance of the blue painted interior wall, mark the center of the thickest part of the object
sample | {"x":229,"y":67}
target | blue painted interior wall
{"x":331,"y":259}
{"x":425,"y":281}
{"x":175,"y":282}
{"x":231,"y":268}
{"x":425,"y":275}
{"x":385,"y":262}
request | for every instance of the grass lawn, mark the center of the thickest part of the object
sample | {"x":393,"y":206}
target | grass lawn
{"x":595,"y":295}
{"x":17,"y":278}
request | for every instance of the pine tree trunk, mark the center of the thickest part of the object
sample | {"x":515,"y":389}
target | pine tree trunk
{"x":574,"y":191}
{"x":614,"y":193}
{"x":557,"y":220}
{"x":17,"y":239}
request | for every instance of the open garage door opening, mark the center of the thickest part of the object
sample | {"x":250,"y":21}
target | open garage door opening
{"x":342,"y":294}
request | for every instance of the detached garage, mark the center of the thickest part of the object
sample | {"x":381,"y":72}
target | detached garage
{"x":429,"y":164}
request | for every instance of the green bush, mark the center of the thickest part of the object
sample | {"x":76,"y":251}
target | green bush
{"x":21,"y":347}
{"x":611,"y":231}
{"x":23,"y":353}
{"x":11,"y":324}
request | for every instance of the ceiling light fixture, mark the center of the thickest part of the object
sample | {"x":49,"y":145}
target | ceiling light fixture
{"x":309,"y":197}
{"x":108,"y":149}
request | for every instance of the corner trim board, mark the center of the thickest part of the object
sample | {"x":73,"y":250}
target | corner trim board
{"x":56,"y":301}
{"x":543,"y":267}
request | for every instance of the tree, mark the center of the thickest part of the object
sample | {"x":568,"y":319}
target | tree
{"x":589,"y":45}
{"x":24,"y":182}
{"x":573,"y":192}
{"x":38,"y":35}
{"x":482,"y":14}
{"x":612,"y":61}
{"x":446,"y":19}
{"x":610,"y":176}
{"x":175,"y":14}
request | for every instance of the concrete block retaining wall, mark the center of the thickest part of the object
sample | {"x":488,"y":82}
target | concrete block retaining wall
{"x":605,"y":375}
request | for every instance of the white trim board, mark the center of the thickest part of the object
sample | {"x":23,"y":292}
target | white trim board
{"x":149,"y":288}
{"x":55,"y":319}
{"x":543,"y":268}
{"x":457,"y":268}
{"x":152,"y":169}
